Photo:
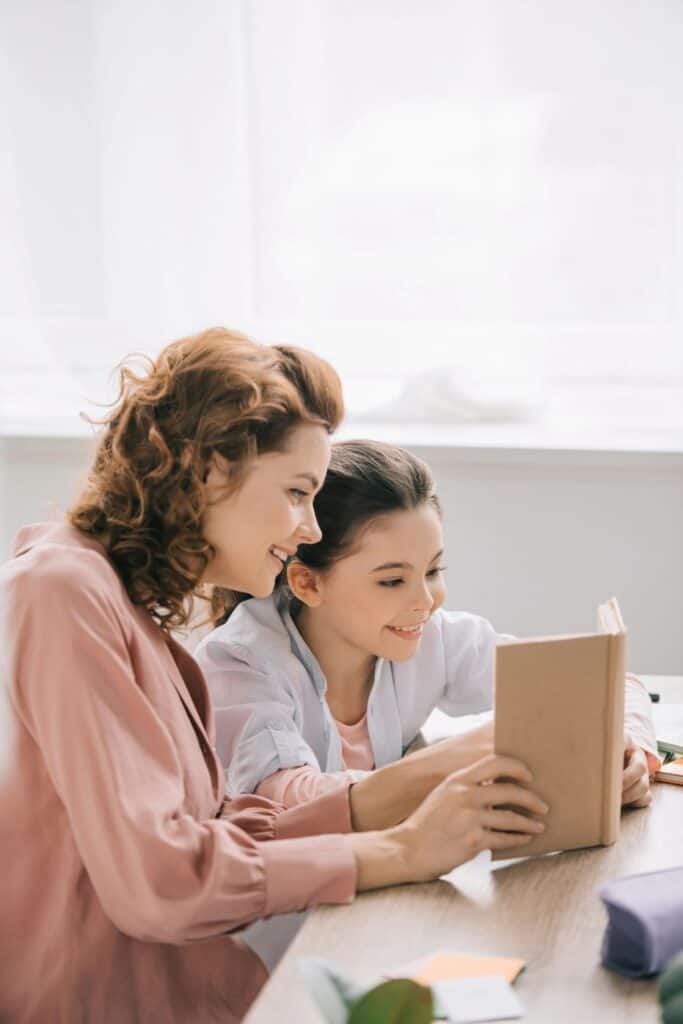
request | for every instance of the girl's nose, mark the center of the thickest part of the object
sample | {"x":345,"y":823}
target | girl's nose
{"x":424,"y":599}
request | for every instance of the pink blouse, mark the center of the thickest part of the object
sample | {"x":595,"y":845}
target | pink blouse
{"x":124,"y":872}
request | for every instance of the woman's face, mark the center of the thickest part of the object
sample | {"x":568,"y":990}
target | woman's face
{"x":255,"y":528}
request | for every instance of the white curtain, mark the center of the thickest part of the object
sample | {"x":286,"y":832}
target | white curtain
{"x":490,"y":185}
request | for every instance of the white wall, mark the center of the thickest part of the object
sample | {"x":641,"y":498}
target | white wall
{"x":534,"y":540}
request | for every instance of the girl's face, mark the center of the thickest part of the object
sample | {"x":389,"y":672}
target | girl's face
{"x":379,"y":597}
{"x":255,"y":528}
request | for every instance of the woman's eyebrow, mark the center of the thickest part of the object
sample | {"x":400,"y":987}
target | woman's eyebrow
{"x":313,"y":480}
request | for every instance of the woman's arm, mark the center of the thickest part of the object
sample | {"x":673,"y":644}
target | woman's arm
{"x":160,"y":872}
{"x":456,"y":821}
{"x":135,"y":786}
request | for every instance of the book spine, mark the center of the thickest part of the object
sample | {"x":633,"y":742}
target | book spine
{"x":614,"y":737}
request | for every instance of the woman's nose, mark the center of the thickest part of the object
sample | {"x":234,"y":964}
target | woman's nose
{"x":309,"y":531}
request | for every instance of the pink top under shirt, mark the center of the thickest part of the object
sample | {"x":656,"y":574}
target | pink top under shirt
{"x":293,"y":786}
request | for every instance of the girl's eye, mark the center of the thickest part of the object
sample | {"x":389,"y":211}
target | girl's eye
{"x":436,"y":572}
{"x":390,"y":583}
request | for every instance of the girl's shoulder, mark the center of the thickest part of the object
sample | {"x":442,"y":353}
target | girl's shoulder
{"x":453,"y":627}
{"x":254,"y":633}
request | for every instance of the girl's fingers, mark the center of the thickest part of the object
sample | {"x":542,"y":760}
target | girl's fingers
{"x":636,"y":766}
{"x":510,"y":821}
{"x":496,"y":766}
{"x":637,"y":791}
{"x":507,"y":793}
{"x":631,"y":777}
{"x":644,"y":801}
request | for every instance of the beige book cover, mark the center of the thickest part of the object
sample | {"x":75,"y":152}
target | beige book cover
{"x":560,"y":709}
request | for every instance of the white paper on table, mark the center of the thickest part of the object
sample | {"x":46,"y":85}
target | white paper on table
{"x":468,"y":1000}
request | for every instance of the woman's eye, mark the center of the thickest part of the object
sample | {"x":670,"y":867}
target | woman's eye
{"x":298,"y":495}
{"x":437,"y":571}
{"x":390,"y":583}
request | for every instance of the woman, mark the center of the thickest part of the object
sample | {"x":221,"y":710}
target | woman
{"x":124,"y":871}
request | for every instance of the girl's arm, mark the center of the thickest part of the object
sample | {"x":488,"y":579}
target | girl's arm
{"x":300,"y":785}
{"x":257,"y":736}
{"x":641,"y":759}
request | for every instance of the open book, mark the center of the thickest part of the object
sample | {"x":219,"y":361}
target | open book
{"x":560,"y":709}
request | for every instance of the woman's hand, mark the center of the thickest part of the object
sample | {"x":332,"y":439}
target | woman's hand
{"x":458,"y":819}
{"x":388,"y":795}
{"x":635,"y":783}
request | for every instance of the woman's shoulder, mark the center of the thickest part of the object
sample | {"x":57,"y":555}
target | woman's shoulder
{"x":55,"y":561}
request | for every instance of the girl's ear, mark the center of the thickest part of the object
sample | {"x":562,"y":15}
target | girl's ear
{"x":304,"y":583}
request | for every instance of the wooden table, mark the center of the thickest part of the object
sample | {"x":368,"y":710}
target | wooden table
{"x":545,"y":911}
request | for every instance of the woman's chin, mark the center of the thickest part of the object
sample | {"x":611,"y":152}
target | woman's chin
{"x":259,"y":588}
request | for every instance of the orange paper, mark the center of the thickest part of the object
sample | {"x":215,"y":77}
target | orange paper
{"x":671,"y":772}
{"x":444,"y":966}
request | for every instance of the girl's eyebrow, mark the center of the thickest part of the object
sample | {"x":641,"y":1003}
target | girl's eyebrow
{"x":403,"y":565}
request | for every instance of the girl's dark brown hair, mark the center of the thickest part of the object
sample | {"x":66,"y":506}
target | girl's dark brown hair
{"x":214,"y":392}
{"x":365,"y":480}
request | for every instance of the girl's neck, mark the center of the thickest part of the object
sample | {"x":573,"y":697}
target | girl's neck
{"x":349,"y":672}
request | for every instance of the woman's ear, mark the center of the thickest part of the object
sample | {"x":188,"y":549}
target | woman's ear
{"x":305,"y":584}
{"x":217,"y":471}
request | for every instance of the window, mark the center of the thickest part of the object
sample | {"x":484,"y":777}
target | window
{"x":487,"y":190}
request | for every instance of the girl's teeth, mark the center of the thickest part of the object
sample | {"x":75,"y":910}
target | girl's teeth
{"x":282,"y":555}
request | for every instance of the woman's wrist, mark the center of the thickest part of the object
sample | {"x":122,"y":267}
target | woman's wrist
{"x":390,"y":794}
{"x":382,"y":858}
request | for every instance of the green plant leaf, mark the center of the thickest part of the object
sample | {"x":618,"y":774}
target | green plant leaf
{"x":399,"y":1001}
{"x":672,"y":1010}
{"x":671,"y":979}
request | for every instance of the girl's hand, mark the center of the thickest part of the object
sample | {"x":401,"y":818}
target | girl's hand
{"x":461,"y":751}
{"x":458,"y":819}
{"x":635,"y":784}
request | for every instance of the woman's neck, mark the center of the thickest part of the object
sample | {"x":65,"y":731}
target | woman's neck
{"x":349,"y":671}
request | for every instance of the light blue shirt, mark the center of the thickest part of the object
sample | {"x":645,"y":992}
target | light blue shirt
{"x":268,"y":690}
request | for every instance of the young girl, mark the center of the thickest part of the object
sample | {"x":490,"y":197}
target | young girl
{"x":334,"y":676}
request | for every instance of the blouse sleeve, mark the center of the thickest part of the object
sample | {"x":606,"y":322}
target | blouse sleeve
{"x":159,"y":873}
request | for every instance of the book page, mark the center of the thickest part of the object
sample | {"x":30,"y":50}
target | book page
{"x":609,"y":617}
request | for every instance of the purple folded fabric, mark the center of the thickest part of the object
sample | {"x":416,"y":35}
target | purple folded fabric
{"x":645,"y":925}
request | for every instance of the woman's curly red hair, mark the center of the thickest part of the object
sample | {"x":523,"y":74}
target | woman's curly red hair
{"x":215,"y":392}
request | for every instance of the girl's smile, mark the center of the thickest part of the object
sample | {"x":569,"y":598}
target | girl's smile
{"x":374,"y":601}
